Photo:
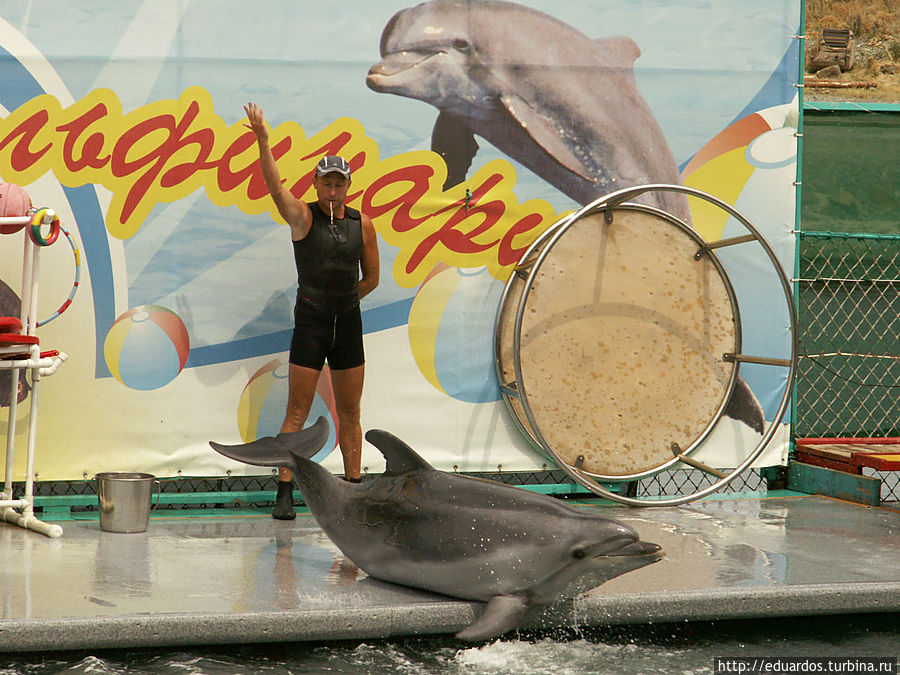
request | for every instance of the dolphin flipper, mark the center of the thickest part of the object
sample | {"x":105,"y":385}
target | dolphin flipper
{"x":399,"y":457}
{"x":542,"y":132}
{"x":503,"y":613}
{"x":453,"y":140}
{"x":276,"y":450}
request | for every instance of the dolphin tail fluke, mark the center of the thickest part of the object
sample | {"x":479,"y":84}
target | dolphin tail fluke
{"x":743,"y":406}
{"x":261,"y":452}
{"x":276,"y":450}
{"x":502,"y":614}
{"x":306,"y":442}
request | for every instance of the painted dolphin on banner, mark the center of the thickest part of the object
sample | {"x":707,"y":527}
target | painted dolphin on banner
{"x":563,"y":105}
{"x":451,"y":534}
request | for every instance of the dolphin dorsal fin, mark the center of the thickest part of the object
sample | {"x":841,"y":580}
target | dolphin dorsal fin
{"x":621,"y":49}
{"x":398,"y":456}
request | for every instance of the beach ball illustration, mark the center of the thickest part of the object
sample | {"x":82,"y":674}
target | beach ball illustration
{"x":147,"y":347}
{"x":747,"y":165}
{"x":451,"y":328}
{"x":752,"y":165}
{"x":264,"y":400}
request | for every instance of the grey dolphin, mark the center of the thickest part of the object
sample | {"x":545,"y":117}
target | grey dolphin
{"x":460,"y":536}
{"x":564,"y":105}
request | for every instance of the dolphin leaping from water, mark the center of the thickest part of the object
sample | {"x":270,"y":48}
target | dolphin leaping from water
{"x":460,"y":536}
{"x":564,"y":105}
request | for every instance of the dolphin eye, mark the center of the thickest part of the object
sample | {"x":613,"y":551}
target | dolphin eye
{"x":460,"y":45}
{"x":579,"y":553}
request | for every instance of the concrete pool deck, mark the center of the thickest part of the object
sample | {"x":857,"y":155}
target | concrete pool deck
{"x":232,"y":577}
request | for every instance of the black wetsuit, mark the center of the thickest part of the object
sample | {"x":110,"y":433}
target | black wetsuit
{"x":327,"y":321}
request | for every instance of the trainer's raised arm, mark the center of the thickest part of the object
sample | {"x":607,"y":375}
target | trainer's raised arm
{"x":295,"y":212}
{"x":256,"y":123}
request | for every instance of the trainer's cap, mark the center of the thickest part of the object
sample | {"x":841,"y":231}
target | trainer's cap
{"x":333,"y":163}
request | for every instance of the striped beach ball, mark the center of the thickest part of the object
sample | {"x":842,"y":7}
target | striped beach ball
{"x":451,"y":325}
{"x":147,"y":347}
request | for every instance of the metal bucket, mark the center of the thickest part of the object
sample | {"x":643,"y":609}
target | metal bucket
{"x":125,"y":500}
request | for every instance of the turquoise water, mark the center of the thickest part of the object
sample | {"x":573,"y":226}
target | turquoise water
{"x":666,"y":648}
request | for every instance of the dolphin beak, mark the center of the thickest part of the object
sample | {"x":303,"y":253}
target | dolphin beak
{"x":398,"y":62}
{"x":636,"y":547}
{"x":652,"y":550}
{"x":644,"y":549}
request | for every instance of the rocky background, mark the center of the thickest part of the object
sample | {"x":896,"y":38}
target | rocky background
{"x":874,"y":27}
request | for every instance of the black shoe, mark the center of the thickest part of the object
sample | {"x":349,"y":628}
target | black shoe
{"x":284,"y":501}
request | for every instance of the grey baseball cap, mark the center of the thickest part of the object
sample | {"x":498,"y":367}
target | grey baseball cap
{"x":333,"y":163}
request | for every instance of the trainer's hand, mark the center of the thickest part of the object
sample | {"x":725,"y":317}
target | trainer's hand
{"x":255,"y":122}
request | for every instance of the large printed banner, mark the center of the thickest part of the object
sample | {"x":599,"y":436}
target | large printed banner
{"x":471,"y":126}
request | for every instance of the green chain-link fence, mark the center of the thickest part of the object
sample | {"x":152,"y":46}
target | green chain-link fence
{"x":848,"y":375}
{"x":221,"y":494}
{"x":848,"y":378}
{"x":848,"y":292}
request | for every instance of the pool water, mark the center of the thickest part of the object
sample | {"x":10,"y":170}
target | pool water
{"x":666,"y":648}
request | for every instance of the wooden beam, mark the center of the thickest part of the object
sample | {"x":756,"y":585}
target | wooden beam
{"x":814,"y":83}
{"x":818,"y":480}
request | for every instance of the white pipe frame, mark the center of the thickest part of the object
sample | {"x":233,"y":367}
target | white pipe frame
{"x":21,"y":511}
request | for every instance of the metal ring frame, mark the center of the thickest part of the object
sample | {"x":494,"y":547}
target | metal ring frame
{"x":508,"y":390}
{"x":531,"y":262}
